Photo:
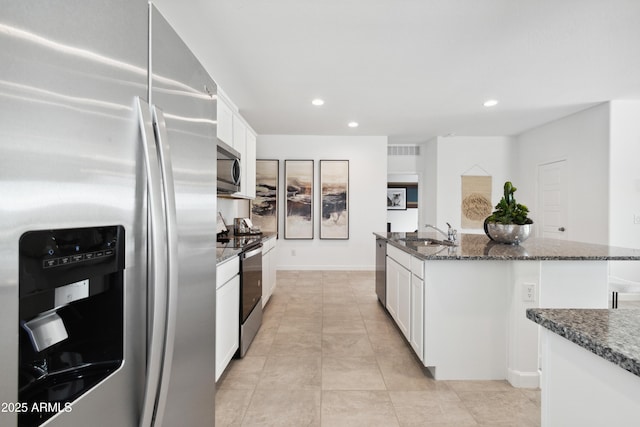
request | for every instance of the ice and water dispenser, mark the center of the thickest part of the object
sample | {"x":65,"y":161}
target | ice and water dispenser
{"x":71,"y":315}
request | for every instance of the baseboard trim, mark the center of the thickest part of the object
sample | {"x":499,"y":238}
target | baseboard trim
{"x":520,"y":379}
{"x":326,"y":267}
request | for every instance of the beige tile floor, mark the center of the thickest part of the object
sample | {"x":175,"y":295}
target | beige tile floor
{"x":328,"y":355}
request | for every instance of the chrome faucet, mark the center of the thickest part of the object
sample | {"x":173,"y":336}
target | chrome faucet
{"x":451,"y":233}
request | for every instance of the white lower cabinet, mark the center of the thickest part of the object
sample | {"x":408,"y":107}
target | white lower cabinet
{"x":404,"y":302}
{"x":227,"y":313}
{"x":405,"y":296}
{"x":392,"y":287}
{"x":417,"y":316}
{"x":268,"y":269}
{"x":399,"y":294}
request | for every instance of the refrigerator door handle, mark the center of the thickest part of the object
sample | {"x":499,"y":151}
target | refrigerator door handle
{"x":166,"y":169}
{"x":157,"y":281}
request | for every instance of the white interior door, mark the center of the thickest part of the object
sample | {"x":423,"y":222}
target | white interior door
{"x":552,"y":197}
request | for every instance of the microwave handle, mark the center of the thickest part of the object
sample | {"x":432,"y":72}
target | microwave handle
{"x":235,"y":172}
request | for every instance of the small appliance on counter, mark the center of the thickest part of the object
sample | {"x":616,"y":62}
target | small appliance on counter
{"x":221,"y":228}
{"x":244,"y":227}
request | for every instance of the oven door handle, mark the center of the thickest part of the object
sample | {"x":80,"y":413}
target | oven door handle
{"x":251,"y":253}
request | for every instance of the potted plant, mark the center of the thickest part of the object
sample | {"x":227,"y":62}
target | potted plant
{"x":509,"y":222}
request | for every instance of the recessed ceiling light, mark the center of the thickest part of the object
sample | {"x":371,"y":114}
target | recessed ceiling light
{"x":490,"y":103}
{"x":353,"y":124}
{"x":318,"y":102}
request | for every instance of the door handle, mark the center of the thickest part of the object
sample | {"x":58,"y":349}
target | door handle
{"x":171,"y":234}
{"x":561,"y":229}
{"x":157,"y":269}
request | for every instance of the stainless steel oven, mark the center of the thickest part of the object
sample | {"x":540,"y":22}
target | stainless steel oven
{"x":250,"y":295}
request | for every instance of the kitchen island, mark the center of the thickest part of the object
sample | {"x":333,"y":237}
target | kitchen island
{"x":473,"y":298}
{"x":590,"y":366}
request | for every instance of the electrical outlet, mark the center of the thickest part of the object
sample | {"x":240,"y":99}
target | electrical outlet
{"x":636,"y":218}
{"x":293,"y":252}
{"x":529,"y":292}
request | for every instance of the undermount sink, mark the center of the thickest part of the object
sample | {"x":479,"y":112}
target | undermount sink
{"x":426,"y":241}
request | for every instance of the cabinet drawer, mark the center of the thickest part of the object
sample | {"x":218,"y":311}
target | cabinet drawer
{"x":400,"y":256}
{"x":417,"y":267}
{"x":268,"y":244}
{"x":226,"y":271}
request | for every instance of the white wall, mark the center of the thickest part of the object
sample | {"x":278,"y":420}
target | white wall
{"x":624,"y":158}
{"x":233,"y":208}
{"x":429,"y":191}
{"x":457,"y":156}
{"x":403,"y":220}
{"x":583,"y":140}
{"x":405,"y":164}
{"x":367,"y":199}
{"x":624,"y":183}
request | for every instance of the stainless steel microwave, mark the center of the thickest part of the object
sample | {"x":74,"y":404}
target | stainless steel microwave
{"x":228,"y":169}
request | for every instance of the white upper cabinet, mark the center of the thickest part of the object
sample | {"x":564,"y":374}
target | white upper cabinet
{"x":234,"y":131}
{"x":239,"y":134}
{"x":225,"y":122}
{"x":249,"y":173}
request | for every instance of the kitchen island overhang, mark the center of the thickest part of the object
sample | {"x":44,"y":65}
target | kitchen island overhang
{"x":591,"y":360}
{"x":476,"y":295}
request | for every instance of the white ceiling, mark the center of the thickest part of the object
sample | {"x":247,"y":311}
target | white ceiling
{"x":413,"y":69}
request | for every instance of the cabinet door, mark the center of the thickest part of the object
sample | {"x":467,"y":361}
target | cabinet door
{"x":266,"y":277}
{"x":272,"y":268}
{"x":417,"y":316}
{"x":404,"y":301}
{"x":392,"y":287}
{"x":227,"y":323}
{"x":250,"y":165}
{"x":225,"y":122}
{"x":239,"y":135}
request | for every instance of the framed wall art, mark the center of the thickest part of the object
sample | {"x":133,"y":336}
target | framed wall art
{"x":396,"y":199}
{"x":298,"y":206}
{"x":334,"y":199}
{"x":264,"y":208}
{"x":412,"y":192}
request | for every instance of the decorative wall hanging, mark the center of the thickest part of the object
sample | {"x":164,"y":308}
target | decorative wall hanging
{"x":396,"y":199}
{"x":264,"y":208}
{"x":476,"y":201}
{"x":334,"y":199}
{"x":298,"y":176}
{"x":412,"y":192}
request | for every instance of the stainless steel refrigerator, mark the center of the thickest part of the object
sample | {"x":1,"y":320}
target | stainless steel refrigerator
{"x":107,"y":218}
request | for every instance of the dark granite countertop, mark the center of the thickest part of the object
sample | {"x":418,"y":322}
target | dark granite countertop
{"x":611,"y":334}
{"x":480,"y":247}
{"x":227,"y":250}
